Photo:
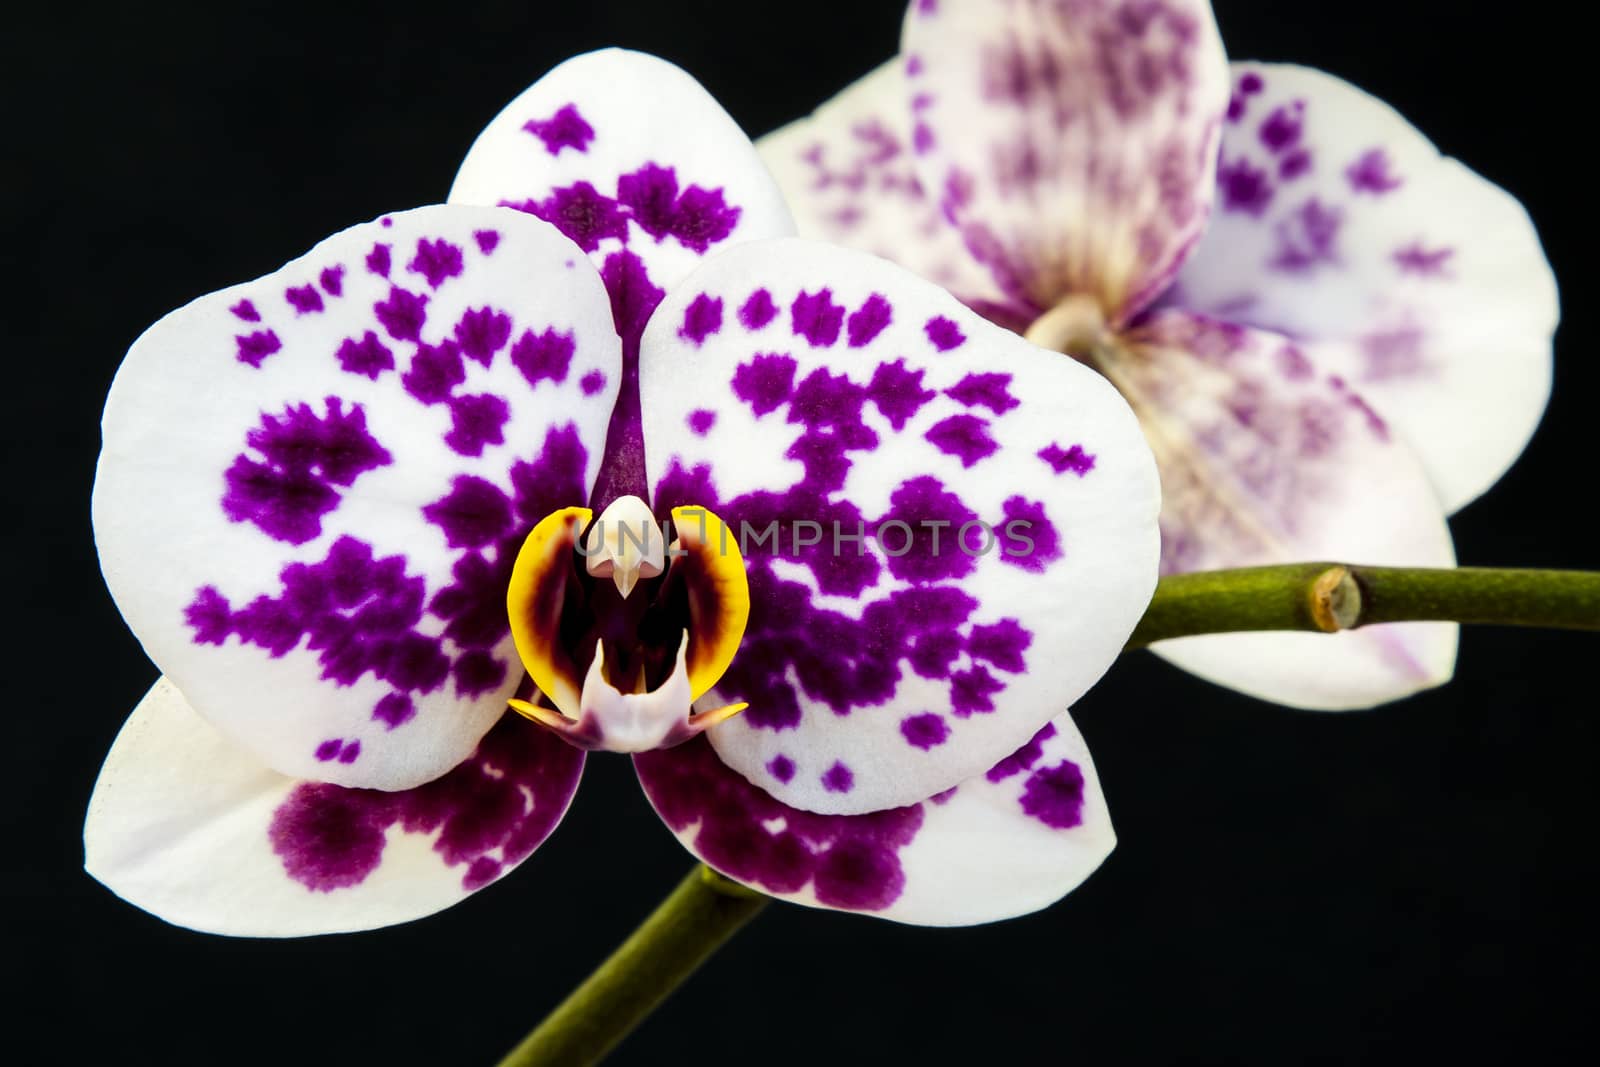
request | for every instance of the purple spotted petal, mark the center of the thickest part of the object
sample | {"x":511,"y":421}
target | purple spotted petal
{"x":190,"y":827}
{"x":1423,"y":284}
{"x":1268,"y":458}
{"x":621,"y":150}
{"x":987,"y":590}
{"x":849,"y":174}
{"x":1006,"y":842}
{"x":1072,"y":143}
{"x":656,"y":177}
{"x":314,"y":544}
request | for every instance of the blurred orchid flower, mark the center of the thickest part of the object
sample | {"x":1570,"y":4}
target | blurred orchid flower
{"x":356,"y":507}
{"x":1333,"y":335}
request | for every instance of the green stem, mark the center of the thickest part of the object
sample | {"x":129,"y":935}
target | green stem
{"x":1328,"y":597}
{"x":704,"y":911}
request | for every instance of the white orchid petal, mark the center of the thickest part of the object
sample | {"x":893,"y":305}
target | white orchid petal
{"x":1006,"y":842}
{"x":850,"y":179}
{"x":1421,"y":283}
{"x":627,"y":155}
{"x":848,"y":394}
{"x":307,"y":513}
{"x":193,"y":829}
{"x":1266,"y":458}
{"x":1072,"y":143}
{"x":617,"y":147}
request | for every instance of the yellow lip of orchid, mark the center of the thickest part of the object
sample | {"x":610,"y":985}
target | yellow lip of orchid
{"x":702,"y":590}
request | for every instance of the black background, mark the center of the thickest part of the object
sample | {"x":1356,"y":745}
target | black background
{"x":1408,"y":884}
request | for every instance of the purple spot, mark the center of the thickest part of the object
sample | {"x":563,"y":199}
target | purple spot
{"x":934,"y":515}
{"x":988,"y":390}
{"x":1392,"y":353}
{"x":475,"y":513}
{"x":1415,"y":259}
{"x":898,"y":392}
{"x":330,"y":838}
{"x":369,"y":356}
{"x":758,"y":310}
{"x":592,"y":382}
{"x":838,"y":779}
{"x":481,"y":872}
{"x":332,"y":280}
{"x":1370,"y":174}
{"x":436,"y":261}
{"x":817,"y":318}
{"x":703,"y":219}
{"x":488,"y":240}
{"x":255,"y":347}
{"x":386,"y":222}
{"x":964,"y":436}
{"x":435,"y":372}
{"x":850,"y":861}
{"x":329,"y":749}
{"x":476,"y":422}
{"x":304,"y":299}
{"x":972,"y":691}
{"x":327,"y":837}
{"x":1054,"y":796}
{"x":1294,"y":164}
{"x":565,"y":129}
{"x":1307,"y":237}
{"x":543,"y":357}
{"x":395,"y":709}
{"x":402,"y":315}
{"x":1032,"y":542}
{"x":378,"y":260}
{"x":580,"y":212}
{"x":782,"y":768}
{"x":922,"y":140}
{"x":483,"y":332}
{"x":765,"y":383}
{"x":698,"y":218}
{"x":701,"y":420}
{"x":924,"y":731}
{"x":1251,"y":83}
{"x":1073,"y":459}
{"x":651,"y":193}
{"x":701,"y":319}
{"x":1024,"y":757}
{"x":868,"y":321}
{"x":351,"y":752}
{"x":246,"y":311}
{"x":477,"y":673}
{"x":944,"y":333}
{"x":1244,"y":188}
{"x":1294,"y":364}
{"x":1282,"y":128}
{"x":1001,"y":643}
{"x":934,"y":654}
{"x":303,"y":457}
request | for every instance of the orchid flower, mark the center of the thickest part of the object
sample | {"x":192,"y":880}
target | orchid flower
{"x":1333,"y":335}
{"x":356,"y":508}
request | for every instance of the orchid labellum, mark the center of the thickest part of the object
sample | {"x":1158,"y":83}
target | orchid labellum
{"x":1333,"y":335}
{"x":830,"y":553}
